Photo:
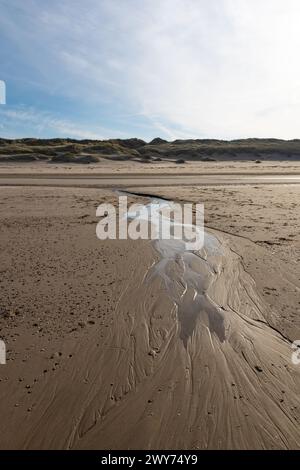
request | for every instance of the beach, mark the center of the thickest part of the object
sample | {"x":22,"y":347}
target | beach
{"x":103,"y":354}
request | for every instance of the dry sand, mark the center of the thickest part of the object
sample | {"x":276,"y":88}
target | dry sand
{"x":160,"y":168}
{"x":100,"y":352}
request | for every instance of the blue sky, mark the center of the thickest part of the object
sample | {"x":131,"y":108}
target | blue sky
{"x":141,"y":68}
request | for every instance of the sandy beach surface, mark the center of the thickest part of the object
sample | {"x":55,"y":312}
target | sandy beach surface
{"x":112,"y":345}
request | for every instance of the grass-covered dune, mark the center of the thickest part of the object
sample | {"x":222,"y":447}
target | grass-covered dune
{"x":91,"y":151}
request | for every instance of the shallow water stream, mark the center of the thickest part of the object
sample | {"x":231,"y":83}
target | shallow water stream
{"x":187,"y":274}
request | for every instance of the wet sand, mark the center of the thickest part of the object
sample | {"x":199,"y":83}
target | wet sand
{"x":120,"y":344}
{"x":114,"y":181}
{"x":132,"y":168}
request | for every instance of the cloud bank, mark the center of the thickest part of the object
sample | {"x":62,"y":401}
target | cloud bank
{"x":175,"y":68}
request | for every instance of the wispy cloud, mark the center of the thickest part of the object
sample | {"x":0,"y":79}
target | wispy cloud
{"x":29,"y":118}
{"x":224,"y":68}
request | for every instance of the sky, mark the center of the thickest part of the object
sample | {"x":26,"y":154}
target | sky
{"x":175,"y":69}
